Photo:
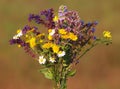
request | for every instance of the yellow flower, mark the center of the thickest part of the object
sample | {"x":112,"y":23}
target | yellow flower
{"x":107,"y":34}
{"x":55,"y":48}
{"x":62,"y":31}
{"x":18,"y":31}
{"x":72,"y":36}
{"x":64,"y":36}
{"x":50,"y":37}
{"x":47,"y":45}
{"x":32,"y":42}
{"x":55,"y":19}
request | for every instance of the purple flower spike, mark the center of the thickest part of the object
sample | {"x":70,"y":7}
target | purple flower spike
{"x":36,"y":18}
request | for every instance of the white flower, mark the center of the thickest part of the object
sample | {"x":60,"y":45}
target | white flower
{"x":52,"y":59}
{"x":52,"y":32}
{"x":18,"y":35}
{"x":42,"y":60}
{"x":61,"y":53}
{"x":15,"y":37}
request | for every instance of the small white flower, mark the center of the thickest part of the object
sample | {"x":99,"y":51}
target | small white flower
{"x":42,"y":60}
{"x":15,"y":37}
{"x":61,"y":53}
{"x":18,"y":35}
{"x":52,"y":59}
{"x":52,"y":32}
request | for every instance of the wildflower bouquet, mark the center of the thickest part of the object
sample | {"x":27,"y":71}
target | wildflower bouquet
{"x":67,"y":39}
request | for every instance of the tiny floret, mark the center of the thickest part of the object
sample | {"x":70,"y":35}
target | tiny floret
{"x":51,"y":32}
{"x":61,"y":53}
{"x":19,"y":34}
{"x":52,"y":59}
{"x":107,"y":34}
{"x":42,"y":60}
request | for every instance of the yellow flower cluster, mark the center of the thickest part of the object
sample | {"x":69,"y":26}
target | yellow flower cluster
{"x":54,"y":47}
{"x":67,"y":35}
{"x":32,"y":42}
{"x":62,"y":31}
{"x":107,"y":34}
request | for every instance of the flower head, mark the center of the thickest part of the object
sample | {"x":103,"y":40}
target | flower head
{"x":19,"y":34}
{"x":61,"y":53}
{"x":107,"y":34}
{"x":42,"y":60}
{"x":32,"y":42}
{"x":55,"y":48}
{"x":62,"y":31}
{"x":52,"y":59}
{"x":72,"y":36}
{"x":47,"y":45}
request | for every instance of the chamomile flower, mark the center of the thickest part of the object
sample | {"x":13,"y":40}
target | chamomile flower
{"x":42,"y":60}
{"x":52,"y":59}
{"x":61,"y":53}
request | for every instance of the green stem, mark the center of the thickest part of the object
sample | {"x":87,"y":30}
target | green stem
{"x":94,"y":44}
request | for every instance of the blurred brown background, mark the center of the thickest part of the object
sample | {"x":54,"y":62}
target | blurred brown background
{"x":99,"y":69}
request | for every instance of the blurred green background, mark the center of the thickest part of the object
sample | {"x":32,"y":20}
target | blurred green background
{"x":99,"y":69}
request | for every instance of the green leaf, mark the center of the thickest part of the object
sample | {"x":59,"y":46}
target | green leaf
{"x":71,"y":73}
{"x":47,"y":73}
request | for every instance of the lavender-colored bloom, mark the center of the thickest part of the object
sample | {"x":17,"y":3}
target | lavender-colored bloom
{"x":49,"y":18}
{"x":25,"y":29}
{"x":88,"y":24}
{"x":18,"y":41}
{"x":48,"y":14}
{"x":93,"y":30}
{"x":82,"y":22}
{"x":12,"y":41}
{"x":36,"y":18}
{"x":94,"y":37}
{"x":95,"y":23}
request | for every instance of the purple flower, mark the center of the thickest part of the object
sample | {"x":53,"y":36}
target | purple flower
{"x":93,"y":30}
{"x":28,"y":28}
{"x":36,"y":18}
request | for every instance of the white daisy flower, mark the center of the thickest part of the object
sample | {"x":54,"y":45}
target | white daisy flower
{"x":52,"y":32}
{"x":52,"y":59}
{"x":42,"y":60}
{"x":61,"y":53}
